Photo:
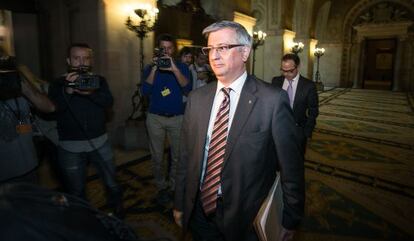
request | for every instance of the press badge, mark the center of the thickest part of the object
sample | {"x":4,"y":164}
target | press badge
{"x":165,"y":92}
{"x":23,"y":128}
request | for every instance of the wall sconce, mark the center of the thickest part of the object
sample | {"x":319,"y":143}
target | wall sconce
{"x":258,"y":40}
{"x":319,"y":52}
{"x":145,"y":23}
{"x":297,"y":47}
{"x":147,"y":17}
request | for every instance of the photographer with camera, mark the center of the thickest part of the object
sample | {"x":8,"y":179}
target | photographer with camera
{"x":18,"y":159}
{"x":166,"y":82}
{"x":82,"y":99}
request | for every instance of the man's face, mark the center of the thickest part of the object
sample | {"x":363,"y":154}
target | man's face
{"x":80,"y":56}
{"x":187,"y":58}
{"x":289,"y":69}
{"x":201,"y":59}
{"x":168,"y":47}
{"x":229,"y":64}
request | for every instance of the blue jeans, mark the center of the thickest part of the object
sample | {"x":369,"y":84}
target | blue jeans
{"x":73,"y":166}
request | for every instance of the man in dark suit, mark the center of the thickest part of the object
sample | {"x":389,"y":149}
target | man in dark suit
{"x":302,"y":94}
{"x":229,"y":127}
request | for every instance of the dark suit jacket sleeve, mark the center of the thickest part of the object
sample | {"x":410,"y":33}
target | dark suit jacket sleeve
{"x":278,"y":81}
{"x":180,"y":178}
{"x":286,"y":139}
{"x":313,"y":109}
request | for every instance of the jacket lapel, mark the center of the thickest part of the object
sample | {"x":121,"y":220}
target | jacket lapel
{"x":205,"y":110}
{"x":299,"y":91}
{"x":244,"y":108}
{"x":203,"y":118}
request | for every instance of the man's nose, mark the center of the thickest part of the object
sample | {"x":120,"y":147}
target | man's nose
{"x":214,"y":53}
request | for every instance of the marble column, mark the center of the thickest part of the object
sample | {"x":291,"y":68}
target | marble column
{"x":305,"y":58}
{"x":272,"y":53}
{"x":357,"y":65}
{"x":397,"y":75}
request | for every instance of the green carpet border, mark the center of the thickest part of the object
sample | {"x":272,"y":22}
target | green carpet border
{"x":368,"y":120}
{"x":360,"y":178}
{"x":364,"y":138}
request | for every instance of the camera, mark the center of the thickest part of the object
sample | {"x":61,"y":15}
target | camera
{"x":10,"y":81}
{"x":161,"y":61}
{"x":86,"y":79}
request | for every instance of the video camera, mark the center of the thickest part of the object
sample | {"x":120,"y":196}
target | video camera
{"x":10,"y":81}
{"x":86,"y":79}
{"x":161,"y":62}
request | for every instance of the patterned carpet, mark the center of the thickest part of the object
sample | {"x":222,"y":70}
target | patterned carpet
{"x":359,"y":174}
{"x":360,"y":168}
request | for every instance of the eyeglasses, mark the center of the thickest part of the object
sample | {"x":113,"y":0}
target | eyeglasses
{"x":287,"y":71}
{"x":222,"y":49}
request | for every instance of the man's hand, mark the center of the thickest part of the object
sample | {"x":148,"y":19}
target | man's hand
{"x":173,"y":67}
{"x":71,"y":77}
{"x":182,"y":80}
{"x":286,"y":235}
{"x":178,"y":217}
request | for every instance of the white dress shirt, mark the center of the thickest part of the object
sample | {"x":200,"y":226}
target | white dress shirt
{"x":294,"y":86}
{"x":236,"y":88}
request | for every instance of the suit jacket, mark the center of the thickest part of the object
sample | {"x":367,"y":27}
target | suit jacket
{"x":263,"y":120}
{"x":305,"y":105}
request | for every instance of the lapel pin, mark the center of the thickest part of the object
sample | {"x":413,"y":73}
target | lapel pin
{"x":250,"y":101}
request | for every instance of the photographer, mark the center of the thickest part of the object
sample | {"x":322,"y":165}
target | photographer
{"x":186,"y":57}
{"x":81,"y":99}
{"x":17,"y":153}
{"x":166,"y":82}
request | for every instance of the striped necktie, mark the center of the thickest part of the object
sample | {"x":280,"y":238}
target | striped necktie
{"x":215,"y":158}
{"x":290,"y":92}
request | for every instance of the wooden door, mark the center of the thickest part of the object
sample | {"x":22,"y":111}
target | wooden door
{"x":379,"y":64}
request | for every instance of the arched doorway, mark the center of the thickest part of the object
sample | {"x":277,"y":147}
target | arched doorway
{"x":365,"y":26}
{"x":379,"y":64}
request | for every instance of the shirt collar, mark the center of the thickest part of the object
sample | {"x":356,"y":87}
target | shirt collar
{"x":236,"y":86}
{"x":296,"y":79}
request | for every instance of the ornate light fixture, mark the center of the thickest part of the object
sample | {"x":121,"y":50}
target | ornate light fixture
{"x":258,"y":40}
{"x":297,"y":47}
{"x":145,"y":23}
{"x":147,"y":17}
{"x":319,"y":52}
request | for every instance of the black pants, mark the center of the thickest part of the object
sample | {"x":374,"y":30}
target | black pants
{"x":211,"y":228}
{"x":207,"y":228}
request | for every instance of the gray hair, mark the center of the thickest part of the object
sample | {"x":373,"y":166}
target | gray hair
{"x":243,"y":36}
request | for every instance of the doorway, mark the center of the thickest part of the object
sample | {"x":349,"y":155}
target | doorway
{"x":379,"y":64}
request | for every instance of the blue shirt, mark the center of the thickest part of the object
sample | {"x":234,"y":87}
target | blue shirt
{"x":166,"y":94}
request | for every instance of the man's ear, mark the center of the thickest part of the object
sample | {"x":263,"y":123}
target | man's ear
{"x":68,"y":61}
{"x":245,"y":53}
